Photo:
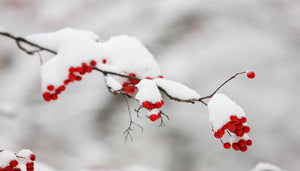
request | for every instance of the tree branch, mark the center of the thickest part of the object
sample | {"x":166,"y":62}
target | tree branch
{"x":20,"y":40}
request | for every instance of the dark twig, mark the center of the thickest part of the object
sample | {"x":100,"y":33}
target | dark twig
{"x":20,"y":40}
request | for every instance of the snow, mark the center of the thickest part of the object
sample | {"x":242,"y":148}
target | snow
{"x":6,"y":157}
{"x":220,"y":108}
{"x":25,"y":153}
{"x":176,"y":89}
{"x":112,"y":83}
{"x":148,"y":91}
{"x":234,"y":138}
{"x":263,"y":166}
{"x":2,"y":29}
{"x":124,"y":54}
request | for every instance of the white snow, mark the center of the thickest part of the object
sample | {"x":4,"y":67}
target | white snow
{"x":124,"y":54}
{"x":176,"y":89}
{"x":220,"y":109}
{"x":153,"y":111}
{"x":263,"y":166}
{"x":25,"y":153}
{"x":112,"y":83}
{"x":148,"y":91}
{"x":6,"y":157}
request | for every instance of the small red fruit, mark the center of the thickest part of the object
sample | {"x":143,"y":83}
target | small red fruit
{"x":153,"y":117}
{"x":72,"y":77}
{"x":249,"y":142}
{"x":235,"y":146}
{"x":250,"y":74}
{"x":54,"y":96}
{"x":129,"y":90}
{"x":79,"y":69}
{"x":47,"y":96}
{"x":50,"y":87}
{"x":148,"y":78}
{"x":104,"y":61}
{"x":246,"y":129}
{"x":162,"y":102}
{"x":78,"y":78}
{"x":146,"y":104}
{"x":227,"y":145}
{"x":160,"y":76}
{"x":16,"y":169}
{"x":66,"y":82}
{"x":32,"y":157}
{"x":93,"y":63}
{"x":72,"y":69}
{"x":84,"y":65}
{"x":243,"y":119}
{"x":157,"y":105}
{"x":13,"y":163}
{"x":9,"y":168}
{"x":62,"y":88}
{"x":88,"y":69}
{"x":243,"y":149}
{"x":242,"y":143}
{"x":29,"y":165}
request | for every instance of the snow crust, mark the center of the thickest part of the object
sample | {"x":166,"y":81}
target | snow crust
{"x":6,"y":157}
{"x":263,"y":166}
{"x":124,"y":54}
{"x":112,"y":83}
{"x":148,"y":91}
{"x":220,"y":109}
{"x":177,"y":89}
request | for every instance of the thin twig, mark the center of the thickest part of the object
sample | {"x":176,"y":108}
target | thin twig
{"x":20,"y":40}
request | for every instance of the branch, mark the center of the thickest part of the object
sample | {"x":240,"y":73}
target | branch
{"x":20,"y":40}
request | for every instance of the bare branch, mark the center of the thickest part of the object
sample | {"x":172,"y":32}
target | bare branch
{"x":20,"y":40}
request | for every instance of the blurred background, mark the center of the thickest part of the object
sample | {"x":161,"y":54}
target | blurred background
{"x":200,"y":43}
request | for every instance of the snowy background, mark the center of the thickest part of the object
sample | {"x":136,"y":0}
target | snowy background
{"x":197,"y":42}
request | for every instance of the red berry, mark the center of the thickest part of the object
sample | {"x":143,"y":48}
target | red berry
{"x":66,"y":82}
{"x":157,"y":105}
{"x":78,"y":78}
{"x":243,"y":149}
{"x":29,"y":165}
{"x":47,"y":96}
{"x":217,"y":135}
{"x":125,"y":85}
{"x":129,"y":90}
{"x":148,"y":78}
{"x":17,"y":169}
{"x":158,"y":116}
{"x":30,"y":169}
{"x":54,"y":96}
{"x":79,"y":69}
{"x":239,"y":132}
{"x":88,"y":69}
{"x":160,"y":76}
{"x":32,"y":157}
{"x":1,"y":169}
{"x":84,"y":65}
{"x":82,"y":73}
{"x":72,"y":69}
{"x":243,"y":119}
{"x":242,"y":143}
{"x":152,"y":106}
{"x":249,"y":142}
{"x":72,"y":77}
{"x":246,"y":129}
{"x":232,"y":128}
{"x":227,"y":145}
{"x":250,"y":74}
{"x":104,"y":61}
{"x":134,"y":82}
{"x":146,"y":104}
{"x":93,"y":63}
{"x":9,"y":168}
{"x":235,"y":146}
{"x":50,"y":87}
{"x":239,"y":126}
{"x":153,"y":117}
{"x":13,"y":163}
{"x":132,"y":75}
{"x":62,"y":88}
{"x":162,"y":102}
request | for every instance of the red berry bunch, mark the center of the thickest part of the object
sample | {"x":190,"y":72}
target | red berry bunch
{"x":75,"y":74}
{"x":241,"y":145}
{"x":154,"y":117}
{"x":11,"y":167}
{"x":150,"y":106}
{"x":236,"y":126}
{"x":129,"y":87}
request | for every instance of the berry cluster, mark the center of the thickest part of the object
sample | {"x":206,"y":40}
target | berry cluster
{"x":129,"y":87}
{"x":12,"y":166}
{"x":150,"y":106}
{"x":75,"y":74}
{"x":154,"y":117}
{"x":236,"y":126}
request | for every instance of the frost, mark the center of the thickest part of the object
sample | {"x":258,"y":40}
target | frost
{"x":148,"y":91}
{"x":176,"y":89}
{"x":262,"y":166}
{"x":112,"y":83}
{"x":220,"y":109}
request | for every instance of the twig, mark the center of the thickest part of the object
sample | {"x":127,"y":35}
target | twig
{"x":20,"y":40}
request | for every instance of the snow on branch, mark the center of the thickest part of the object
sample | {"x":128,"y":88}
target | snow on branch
{"x":129,"y":69}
